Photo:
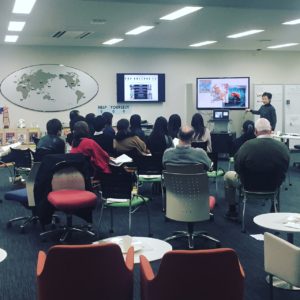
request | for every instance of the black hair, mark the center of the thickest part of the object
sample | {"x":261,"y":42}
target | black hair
{"x":107,"y":116}
{"x":186,"y":136}
{"x":99,"y":123}
{"x":248,"y":128}
{"x":198,"y":125}
{"x":53,"y":126}
{"x":160,"y":128}
{"x":73,"y":114}
{"x":268,"y":95}
{"x":123,"y":130}
{"x":81,"y":130}
{"x":76,"y":119}
{"x":173,"y":125}
{"x":135,"y":122}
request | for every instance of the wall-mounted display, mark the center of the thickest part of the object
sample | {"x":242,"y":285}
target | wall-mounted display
{"x":223,"y":92}
{"x":49,"y":87}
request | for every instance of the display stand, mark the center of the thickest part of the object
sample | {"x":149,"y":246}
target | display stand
{"x":220,"y":126}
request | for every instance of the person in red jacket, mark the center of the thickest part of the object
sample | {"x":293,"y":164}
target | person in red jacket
{"x":83,"y":144}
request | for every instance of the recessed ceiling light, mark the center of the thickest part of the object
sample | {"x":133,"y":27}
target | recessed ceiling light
{"x":112,"y":41}
{"x":16,"y":26}
{"x":203,"y":44}
{"x":293,"y":22}
{"x":283,"y":45}
{"x":11,"y":38}
{"x":245,"y":33}
{"x":181,"y":12}
{"x":139,"y":30}
{"x":23,"y":6}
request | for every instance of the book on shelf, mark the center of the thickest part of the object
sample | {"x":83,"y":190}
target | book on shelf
{"x":120,"y":160}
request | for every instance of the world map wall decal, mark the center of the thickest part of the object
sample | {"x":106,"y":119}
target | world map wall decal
{"x":49,"y":87}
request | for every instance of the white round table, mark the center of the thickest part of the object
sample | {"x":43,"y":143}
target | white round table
{"x":281,"y":221}
{"x":3,"y":254}
{"x":152,"y":249}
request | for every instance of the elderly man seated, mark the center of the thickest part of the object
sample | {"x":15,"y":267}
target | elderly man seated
{"x":183,"y":153}
{"x":263,"y":161}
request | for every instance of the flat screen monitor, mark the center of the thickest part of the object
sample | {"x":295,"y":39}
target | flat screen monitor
{"x":223,"y":92}
{"x":221,"y":114}
{"x":140,"y":87}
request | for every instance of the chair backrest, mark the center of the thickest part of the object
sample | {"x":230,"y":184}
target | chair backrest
{"x":199,"y":144}
{"x":187,"y":197}
{"x":85,"y":272}
{"x":282,"y":259}
{"x":149,"y":164}
{"x":116,"y":185}
{"x":198,"y":274}
{"x":185,"y":169}
{"x":68,"y":178}
{"x":21,"y":158}
{"x":30,"y":180}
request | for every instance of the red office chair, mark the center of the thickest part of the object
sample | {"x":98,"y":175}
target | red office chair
{"x":92,"y":272}
{"x":194,"y":274}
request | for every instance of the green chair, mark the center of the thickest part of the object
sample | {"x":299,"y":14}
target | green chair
{"x":119,"y":191}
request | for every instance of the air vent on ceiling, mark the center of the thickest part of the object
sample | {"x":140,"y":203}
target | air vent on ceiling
{"x":71,"y":34}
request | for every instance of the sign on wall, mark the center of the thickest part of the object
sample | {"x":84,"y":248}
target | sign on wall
{"x":49,"y":87}
{"x":114,"y":109}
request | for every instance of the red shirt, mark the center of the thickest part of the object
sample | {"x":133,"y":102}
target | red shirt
{"x":98,"y":157}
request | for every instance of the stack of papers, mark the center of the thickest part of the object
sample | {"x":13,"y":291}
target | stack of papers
{"x":115,"y":200}
{"x":120,"y":160}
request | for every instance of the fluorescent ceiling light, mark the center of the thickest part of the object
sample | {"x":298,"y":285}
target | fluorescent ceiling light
{"x":203,"y":43}
{"x":181,"y":12}
{"x":11,"y":38}
{"x":139,"y":30}
{"x":245,"y":33}
{"x":23,"y":6}
{"x":16,"y":26}
{"x":112,"y":41}
{"x":283,"y":45}
{"x":293,"y":22}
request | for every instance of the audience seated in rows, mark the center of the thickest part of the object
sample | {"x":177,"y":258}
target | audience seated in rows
{"x":126,"y":141}
{"x":83,"y":144}
{"x":105,"y":141}
{"x":202,"y":133}
{"x":173,"y":125}
{"x":183,"y":153}
{"x":259,"y":160}
{"x":159,"y":140}
{"x":136,"y":128}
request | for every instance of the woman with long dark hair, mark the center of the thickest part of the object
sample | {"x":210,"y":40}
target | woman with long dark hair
{"x":173,"y":125}
{"x":202,"y":133}
{"x":135,"y":126}
{"x":159,"y":140}
{"x":126,"y":141}
{"x":83,"y":144}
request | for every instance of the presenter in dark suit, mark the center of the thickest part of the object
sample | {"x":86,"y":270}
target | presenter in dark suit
{"x":267,"y":110}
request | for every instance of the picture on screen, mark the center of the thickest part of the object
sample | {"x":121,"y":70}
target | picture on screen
{"x":140,"y":87}
{"x":225,"y":92}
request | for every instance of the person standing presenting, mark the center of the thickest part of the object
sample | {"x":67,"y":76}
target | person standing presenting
{"x":267,"y":110}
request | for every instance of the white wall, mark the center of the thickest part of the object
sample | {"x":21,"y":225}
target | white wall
{"x":180,"y":66}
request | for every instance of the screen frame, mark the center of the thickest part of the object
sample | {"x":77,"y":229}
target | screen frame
{"x":161,"y":85}
{"x":225,"y":77}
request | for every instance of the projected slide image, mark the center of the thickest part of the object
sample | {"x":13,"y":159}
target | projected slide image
{"x":141,"y":87}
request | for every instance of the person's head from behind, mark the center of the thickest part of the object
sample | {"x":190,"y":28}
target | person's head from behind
{"x":198,"y":124}
{"x":99,"y":123}
{"x":266,"y":98}
{"x":160,"y":126}
{"x":123,"y":125}
{"x":135,"y":121}
{"x":90,"y":118}
{"x":248,"y":128}
{"x":174,"y":124}
{"x":73,"y":114}
{"x":185,"y":134}
{"x":107,"y":116}
{"x":262,"y":127}
{"x":54,"y":127}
